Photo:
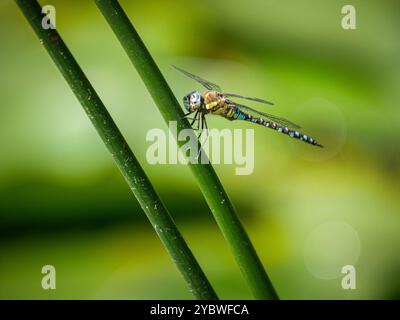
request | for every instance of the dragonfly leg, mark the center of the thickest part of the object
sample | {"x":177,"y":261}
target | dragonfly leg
{"x":186,"y":114}
{"x":206,"y":127}
{"x":191,"y":118}
{"x":195,"y":118}
{"x":201,"y":119}
{"x":198,"y":121}
{"x":203,"y":127}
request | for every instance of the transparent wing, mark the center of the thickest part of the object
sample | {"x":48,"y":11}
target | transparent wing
{"x":247,"y":98}
{"x":208,"y":85}
{"x":282,"y":121}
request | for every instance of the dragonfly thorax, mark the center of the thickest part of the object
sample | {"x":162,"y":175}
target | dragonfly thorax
{"x":193,"y":101}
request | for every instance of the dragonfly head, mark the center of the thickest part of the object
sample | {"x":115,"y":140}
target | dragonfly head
{"x":193,"y":101}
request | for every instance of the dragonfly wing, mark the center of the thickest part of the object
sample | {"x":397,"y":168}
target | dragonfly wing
{"x":207,"y":84}
{"x":247,"y":98}
{"x":282,"y":121}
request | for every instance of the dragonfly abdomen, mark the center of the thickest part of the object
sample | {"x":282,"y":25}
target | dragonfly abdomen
{"x":240,"y":115}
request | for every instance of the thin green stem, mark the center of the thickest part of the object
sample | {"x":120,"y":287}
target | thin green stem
{"x":211,"y":187}
{"x":121,"y":153}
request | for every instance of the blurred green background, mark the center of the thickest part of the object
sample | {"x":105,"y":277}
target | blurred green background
{"x":308,"y":211}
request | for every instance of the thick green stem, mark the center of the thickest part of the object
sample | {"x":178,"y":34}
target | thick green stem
{"x":209,"y":184}
{"x":120,"y":151}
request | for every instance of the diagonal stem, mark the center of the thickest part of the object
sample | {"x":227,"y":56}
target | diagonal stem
{"x":211,"y":187}
{"x":121,"y":153}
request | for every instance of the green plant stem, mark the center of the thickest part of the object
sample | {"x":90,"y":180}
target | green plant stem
{"x":120,"y":151}
{"x":208,"y":181}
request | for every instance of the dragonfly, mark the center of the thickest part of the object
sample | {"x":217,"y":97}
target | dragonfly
{"x":214,"y":101}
